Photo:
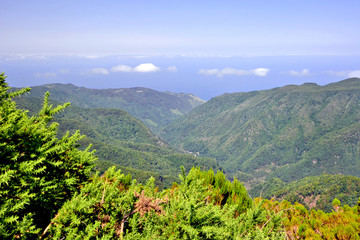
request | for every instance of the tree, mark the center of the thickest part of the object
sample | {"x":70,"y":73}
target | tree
{"x":38,"y":171}
{"x":336,"y":204}
{"x":114,"y":206}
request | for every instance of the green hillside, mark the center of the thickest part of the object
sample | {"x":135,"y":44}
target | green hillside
{"x":316,"y":192}
{"x":123,"y":141}
{"x":155,"y":109}
{"x":287,"y":133}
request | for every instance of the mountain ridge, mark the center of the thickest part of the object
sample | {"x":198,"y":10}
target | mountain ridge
{"x":154,"y":108}
{"x":272,"y":133}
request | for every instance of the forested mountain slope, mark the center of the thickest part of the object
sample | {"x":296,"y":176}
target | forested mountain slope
{"x":123,"y":141}
{"x":155,"y":109}
{"x":288,"y":133}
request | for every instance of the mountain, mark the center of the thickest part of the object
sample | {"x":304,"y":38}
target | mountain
{"x":123,"y":141}
{"x":316,"y":192}
{"x":288,"y":133}
{"x":155,"y":109}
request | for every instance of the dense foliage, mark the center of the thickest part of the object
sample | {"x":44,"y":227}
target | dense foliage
{"x":38,"y":171}
{"x":299,"y":223}
{"x":316,"y":192}
{"x":288,"y":133}
{"x":122,"y":140}
{"x":203,"y":206}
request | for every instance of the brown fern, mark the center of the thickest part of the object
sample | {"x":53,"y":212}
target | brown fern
{"x":143,"y":205}
{"x":146,"y":204}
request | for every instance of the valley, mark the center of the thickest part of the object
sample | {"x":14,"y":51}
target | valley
{"x":287,"y":133}
{"x":43,"y":152}
{"x":123,"y":141}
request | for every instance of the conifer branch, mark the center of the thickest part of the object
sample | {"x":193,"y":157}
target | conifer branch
{"x":48,"y":227}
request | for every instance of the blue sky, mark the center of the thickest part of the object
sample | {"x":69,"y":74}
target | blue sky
{"x":243,"y":27}
{"x":201,"y":47}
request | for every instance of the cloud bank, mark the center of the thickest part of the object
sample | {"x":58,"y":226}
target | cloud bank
{"x":26,"y":57}
{"x":260,"y":72}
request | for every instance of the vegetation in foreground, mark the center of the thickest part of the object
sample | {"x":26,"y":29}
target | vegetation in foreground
{"x":39,"y":172}
{"x":315,"y":192}
{"x":47,"y":191}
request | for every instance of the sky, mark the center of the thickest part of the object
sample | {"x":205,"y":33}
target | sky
{"x":242,"y":27}
{"x":203,"y":47}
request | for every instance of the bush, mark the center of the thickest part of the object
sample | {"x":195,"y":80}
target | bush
{"x":38,"y":171}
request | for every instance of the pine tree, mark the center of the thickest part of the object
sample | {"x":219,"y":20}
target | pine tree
{"x":38,"y":171}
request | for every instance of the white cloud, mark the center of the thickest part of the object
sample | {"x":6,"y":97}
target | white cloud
{"x":172,"y":69}
{"x":355,"y":73}
{"x":233,"y":71}
{"x":303,"y":73}
{"x":146,"y":67}
{"x":260,"y":72}
{"x":46,"y":75}
{"x":99,"y":71}
{"x":214,"y":71}
{"x":349,"y":74}
{"x":64,"y":71}
{"x":121,"y":68}
{"x":337,"y":73}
